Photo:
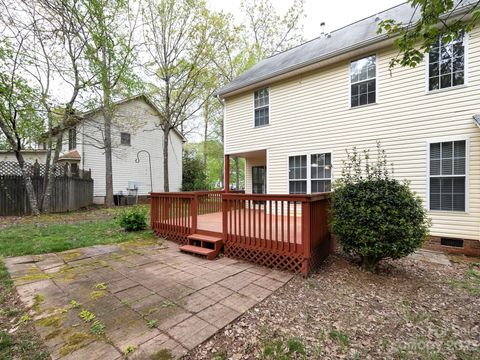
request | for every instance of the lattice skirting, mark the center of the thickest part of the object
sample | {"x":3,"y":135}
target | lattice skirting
{"x":269,"y":258}
{"x":175,"y":237}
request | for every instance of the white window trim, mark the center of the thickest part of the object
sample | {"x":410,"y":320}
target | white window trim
{"x":466,"y":38}
{"x":253,"y":107}
{"x":465,"y":138}
{"x":350,"y":82}
{"x":309,"y":167}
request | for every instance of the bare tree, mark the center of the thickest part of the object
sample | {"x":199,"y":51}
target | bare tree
{"x":19,"y":121}
{"x":179,"y":38}
{"x":110,"y":27}
{"x":62,"y":55}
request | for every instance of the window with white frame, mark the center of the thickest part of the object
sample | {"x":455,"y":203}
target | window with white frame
{"x":446,"y":64}
{"x":310,"y":173}
{"x":261,"y":106}
{"x":321,"y":172}
{"x":297,"y":174}
{"x":448,"y":175}
{"x":363,"y":81}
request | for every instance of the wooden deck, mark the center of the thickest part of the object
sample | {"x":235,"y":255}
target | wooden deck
{"x":277,"y":230}
{"x":284,"y":231}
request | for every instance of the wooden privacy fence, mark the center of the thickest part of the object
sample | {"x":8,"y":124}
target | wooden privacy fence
{"x":289,"y":232}
{"x":72,"y":191}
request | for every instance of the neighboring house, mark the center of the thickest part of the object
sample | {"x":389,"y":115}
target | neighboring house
{"x":29,"y":156}
{"x":293,"y":115}
{"x":135,"y":128}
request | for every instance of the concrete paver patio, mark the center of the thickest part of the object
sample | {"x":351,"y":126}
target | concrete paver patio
{"x":146,"y":298}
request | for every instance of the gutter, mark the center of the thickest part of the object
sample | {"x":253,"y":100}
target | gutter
{"x":372,"y":41}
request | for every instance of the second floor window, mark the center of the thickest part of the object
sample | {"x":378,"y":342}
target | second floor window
{"x":72,"y":138}
{"x":125,"y":138}
{"x":261,"y":106}
{"x":446,"y":64}
{"x":363,"y":81}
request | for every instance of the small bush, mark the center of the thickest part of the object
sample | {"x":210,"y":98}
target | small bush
{"x":133,"y":219}
{"x":373,"y":215}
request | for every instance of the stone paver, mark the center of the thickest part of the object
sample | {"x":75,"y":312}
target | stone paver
{"x":430,"y":256}
{"x":147,"y":296}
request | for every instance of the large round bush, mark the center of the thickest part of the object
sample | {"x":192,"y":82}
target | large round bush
{"x":376,"y":217}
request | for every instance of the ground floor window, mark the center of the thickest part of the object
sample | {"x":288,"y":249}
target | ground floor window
{"x":310,"y":173}
{"x":448,"y":175}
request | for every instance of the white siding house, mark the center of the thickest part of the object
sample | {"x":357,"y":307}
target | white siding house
{"x":297,"y":112}
{"x":135,"y":129}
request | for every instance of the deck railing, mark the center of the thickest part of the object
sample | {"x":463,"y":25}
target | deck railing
{"x":284,"y":231}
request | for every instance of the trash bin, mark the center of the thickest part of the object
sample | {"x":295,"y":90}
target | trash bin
{"x":117,"y":199}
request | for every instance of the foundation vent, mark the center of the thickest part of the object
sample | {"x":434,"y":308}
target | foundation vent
{"x":452,"y":242}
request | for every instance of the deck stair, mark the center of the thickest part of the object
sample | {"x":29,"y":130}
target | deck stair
{"x":203,"y":245}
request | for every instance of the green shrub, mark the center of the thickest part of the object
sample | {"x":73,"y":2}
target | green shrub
{"x":133,"y":219}
{"x":373,"y":215}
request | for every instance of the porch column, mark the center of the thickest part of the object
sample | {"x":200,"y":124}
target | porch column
{"x":226,"y":175}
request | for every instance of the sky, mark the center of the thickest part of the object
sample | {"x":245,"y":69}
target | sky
{"x":335,"y":14}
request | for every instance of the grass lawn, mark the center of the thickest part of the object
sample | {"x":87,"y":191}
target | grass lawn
{"x":16,"y":338}
{"x":44,"y":234}
{"x":38,"y":239}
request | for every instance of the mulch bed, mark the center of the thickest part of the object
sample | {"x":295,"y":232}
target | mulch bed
{"x":411,"y":309}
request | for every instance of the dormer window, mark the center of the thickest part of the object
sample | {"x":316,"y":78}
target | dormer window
{"x":363,"y":81}
{"x":72,"y":138}
{"x":446,"y":64}
{"x":261,"y":106}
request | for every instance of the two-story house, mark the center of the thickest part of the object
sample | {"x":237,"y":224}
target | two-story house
{"x":293,"y":115}
{"x":137,"y":149}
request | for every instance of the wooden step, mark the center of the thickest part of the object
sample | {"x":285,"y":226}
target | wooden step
{"x":209,"y":253}
{"x":205,"y":238}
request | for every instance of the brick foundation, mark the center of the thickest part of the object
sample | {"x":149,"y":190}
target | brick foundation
{"x":469,"y":248}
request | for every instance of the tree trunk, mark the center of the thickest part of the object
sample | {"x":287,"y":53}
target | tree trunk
{"x":50,"y":178}
{"x":107,"y":117}
{"x":166,"y":187}
{"x":32,"y":198}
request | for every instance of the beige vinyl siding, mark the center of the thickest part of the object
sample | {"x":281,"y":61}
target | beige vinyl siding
{"x":311,"y":113}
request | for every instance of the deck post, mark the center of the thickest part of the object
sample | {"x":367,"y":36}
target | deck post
{"x":226,"y":177}
{"x":306,"y":238}
{"x":194,"y":210}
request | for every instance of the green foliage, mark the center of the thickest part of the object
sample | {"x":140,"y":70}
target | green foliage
{"x":133,"y":219}
{"x":414,"y":39}
{"x":339,"y":336}
{"x":152,"y":323}
{"x":279,"y":350}
{"x":194,"y":177}
{"x":20,"y":122}
{"x":87,"y":316}
{"x":375,"y":216}
{"x":129,"y":349}
{"x":97,"y":328}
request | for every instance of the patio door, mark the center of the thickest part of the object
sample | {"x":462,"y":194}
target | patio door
{"x":259,"y":180}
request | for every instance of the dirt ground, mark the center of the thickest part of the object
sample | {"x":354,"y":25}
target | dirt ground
{"x":411,"y":309}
